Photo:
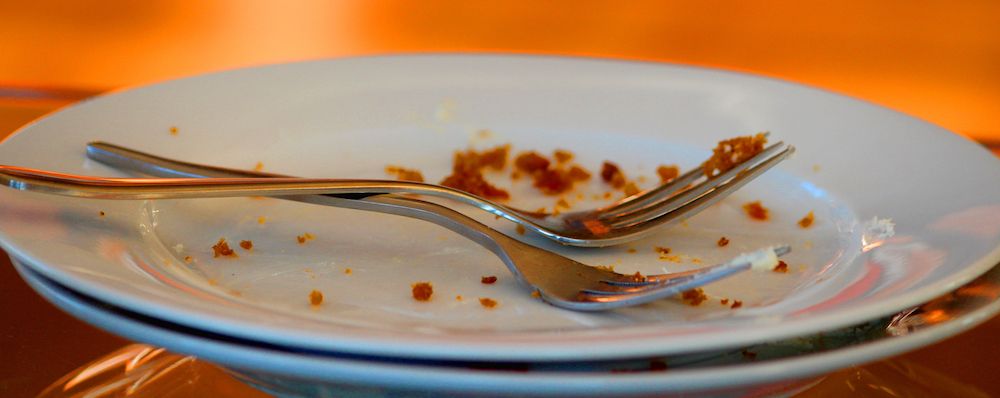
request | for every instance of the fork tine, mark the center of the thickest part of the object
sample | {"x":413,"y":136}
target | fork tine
{"x":666,"y":191}
{"x":661,"y":281}
{"x":669,"y":214}
{"x":666,"y":204}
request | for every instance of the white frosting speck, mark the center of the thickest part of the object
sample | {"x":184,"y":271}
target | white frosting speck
{"x":761,"y":260}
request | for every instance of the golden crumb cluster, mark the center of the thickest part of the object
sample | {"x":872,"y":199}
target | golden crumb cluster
{"x":730,"y":153}
{"x":404,"y":174}
{"x":467,"y":172}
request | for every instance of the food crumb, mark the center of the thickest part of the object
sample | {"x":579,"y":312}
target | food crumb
{"x":467,"y":172}
{"x":246,"y":244}
{"x":782,"y":267}
{"x":259,"y":166}
{"x":261,"y":220}
{"x":724,"y":301}
{"x":422,"y":291}
{"x":562,"y":203}
{"x":404,"y":174}
{"x":612,"y":174}
{"x":667,"y":173}
{"x":174,"y":130}
{"x":221,"y":248}
{"x":662,"y":251}
{"x":730,"y":153}
{"x":101,"y":213}
{"x":348,"y":271}
{"x":188,"y":259}
{"x":723,"y":241}
{"x":631,"y":250}
{"x":736,"y":304}
{"x":610,"y":268}
{"x":302,"y":239}
{"x":694,"y":296}
{"x":631,"y":189}
{"x":487,"y":302}
{"x":520,"y":229}
{"x":458,"y":297}
{"x":536,"y":294}
{"x":562,"y":156}
{"x":488,"y":280}
{"x":596,"y":227}
{"x":756,"y":211}
{"x":484,"y":134}
{"x":315,"y":297}
{"x":808,"y":220}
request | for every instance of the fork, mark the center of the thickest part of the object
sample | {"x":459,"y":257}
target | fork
{"x":627,"y":220}
{"x":559,"y":280}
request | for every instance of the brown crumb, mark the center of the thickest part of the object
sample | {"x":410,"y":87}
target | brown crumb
{"x":637,"y":277}
{"x":611,"y":174}
{"x":404,"y":174}
{"x":315,"y":297}
{"x":782,"y":267}
{"x":246,"y":244}
{"x":302,"y":239}
{"x":724,"y":301}
{"x":610,"y":268}
{"x":562,"y":156}
{"x":467,"y":172}
{"x":458,"y":297}
{"x":348,"y":271}
{"x":174,"y":130}
{"x":101,"y":213}
{"x":222,"y":249}
{"x":723,"y":241}
{"x":188,"y":259}
{"x":631,"y":189}
{"x":259,"y":166}
{"x":808,"y":220}
{"x":520,"y":229}
{"x":736,"y":304}
{"x":536,"y":294}
{"x":261,"y":220}
{"x":552,"y":181}
{"x":662,"y":251}
{"x":562,"y":203}
{"x":488,"y":280}
{"x":667,"y":173}
{"x":531,"y":162}
{"x":577,"y":173}
{"x":756,"y":211}
{"x":730,"y":153}
{"x":487,"y":302}
{"x":422,"y":291}
{"x":694,"y":296}
{"x":631,"y":250}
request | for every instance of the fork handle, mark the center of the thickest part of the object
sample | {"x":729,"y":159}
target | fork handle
{"x":493,"y":240}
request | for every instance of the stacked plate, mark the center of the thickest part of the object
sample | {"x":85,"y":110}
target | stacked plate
{"x":904,"y":212}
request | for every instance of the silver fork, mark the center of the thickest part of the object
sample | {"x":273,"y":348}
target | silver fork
{"x":558,"y":280}
{"x":627,"y":220}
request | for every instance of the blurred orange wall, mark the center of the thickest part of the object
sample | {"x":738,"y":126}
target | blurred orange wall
{"x":937,"y":60}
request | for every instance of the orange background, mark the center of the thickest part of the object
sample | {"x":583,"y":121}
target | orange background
{"x":938,"y":60}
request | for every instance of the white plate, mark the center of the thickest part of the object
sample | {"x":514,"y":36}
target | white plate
{"x":791,"y":366}
{"x":352,"y":117}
